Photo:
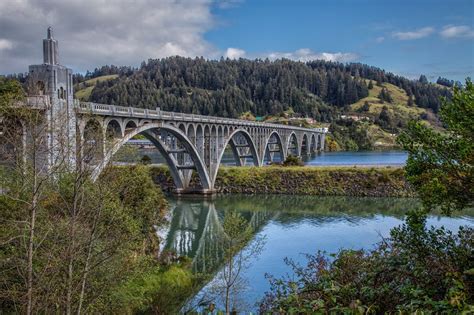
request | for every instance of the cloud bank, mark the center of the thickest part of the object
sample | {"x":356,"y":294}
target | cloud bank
{"x":416,"y":34}
{"x":306,"y":54}
{"x":93,"y":33}
{"x":234,"y":53}
{"x":453,"y":31}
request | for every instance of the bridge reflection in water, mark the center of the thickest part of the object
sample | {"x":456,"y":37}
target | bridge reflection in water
{"x":196,"y":224}
{"x":196,"y":229}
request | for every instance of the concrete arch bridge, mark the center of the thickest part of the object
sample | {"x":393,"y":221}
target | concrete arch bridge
{"x":189,"y":142}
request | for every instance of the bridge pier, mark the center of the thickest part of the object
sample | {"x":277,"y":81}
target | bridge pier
{"x":194,"y":191}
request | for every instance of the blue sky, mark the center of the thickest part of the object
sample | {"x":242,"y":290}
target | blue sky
{"x":405,"y":37}
{"x":409,"y":38}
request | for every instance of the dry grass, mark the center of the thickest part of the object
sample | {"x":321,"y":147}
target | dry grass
{"x":397,"y":106}
{"x":84,"y":89}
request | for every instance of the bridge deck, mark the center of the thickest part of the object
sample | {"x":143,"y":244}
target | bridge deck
{"x":133,"y":112}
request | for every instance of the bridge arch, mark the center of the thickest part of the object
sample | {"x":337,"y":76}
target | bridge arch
{"x":305,"y":149}
{"x":252,"y":149}
{"x":192,"y":134}
{"x":313,"y":143}
{"x":129,"y":125}
{"x":292,"y":145}
{"x":182,"y":127}
{"x":113,"y":129}
{"x":147,"y":130}
{"x":276,"y":135}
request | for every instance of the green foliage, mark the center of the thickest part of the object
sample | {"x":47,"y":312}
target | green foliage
{"x":237,"y":229}
{"x":370,"y":86}
{"x":417,"y":269}
{"x":364,"y":108}
{"x":351,"y":135}
{"x":146,"y":160}
{"x":385,"y":96}
{"x":112,"y":240}
{"x":293,"y":160}
{"x":156,"y":290}
{"x":440,"y":164}
{"x":229,"y":88}
{"x":386,"y":119}
{"x":10,"y":91}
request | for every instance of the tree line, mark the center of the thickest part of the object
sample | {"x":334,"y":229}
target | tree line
{"x":225,"y":87}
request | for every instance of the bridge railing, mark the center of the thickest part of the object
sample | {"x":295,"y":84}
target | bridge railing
{"x":113,"y":110}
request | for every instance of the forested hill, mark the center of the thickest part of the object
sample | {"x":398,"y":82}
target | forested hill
{"x":226,"y":87}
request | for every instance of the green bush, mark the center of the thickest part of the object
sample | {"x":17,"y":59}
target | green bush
{"x":293,"y":160}
{"x":156,"y":291}
{"x":417,"y":269}
{"x":146,"y":160}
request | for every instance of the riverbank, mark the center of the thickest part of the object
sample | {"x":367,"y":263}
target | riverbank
{"x":322,"y":181}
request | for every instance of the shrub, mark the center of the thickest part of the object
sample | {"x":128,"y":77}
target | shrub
{"x":146,"y":160}
{"x":417,"y":269}
{"x":293,"y":160}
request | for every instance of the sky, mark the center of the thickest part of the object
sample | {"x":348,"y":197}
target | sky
{"x":409,"y":38}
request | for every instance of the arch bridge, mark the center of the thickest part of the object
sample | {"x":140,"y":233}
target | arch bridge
{"x":189,"y":143}
{"x":89,"y":133}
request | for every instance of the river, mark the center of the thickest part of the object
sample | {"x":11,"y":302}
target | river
{"x":291,"y":227}
{"x":341,"y":158}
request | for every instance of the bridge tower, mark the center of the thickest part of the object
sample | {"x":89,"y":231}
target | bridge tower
{"x":52,"y":82}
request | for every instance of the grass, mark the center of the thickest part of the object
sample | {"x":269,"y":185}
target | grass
{"x":306,"y":180}
{"x":398,"y":106}
{"x":84,"y":94}
{"x":341,"y":181}
{"x":84,"y":89}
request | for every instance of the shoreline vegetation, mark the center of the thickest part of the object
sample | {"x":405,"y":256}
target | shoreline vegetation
{"x":303,"y":180}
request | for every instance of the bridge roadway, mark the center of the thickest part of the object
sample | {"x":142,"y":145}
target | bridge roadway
{"x":190,"y":142}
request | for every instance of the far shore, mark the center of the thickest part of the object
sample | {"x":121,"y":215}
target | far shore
{"x":306,"y":165}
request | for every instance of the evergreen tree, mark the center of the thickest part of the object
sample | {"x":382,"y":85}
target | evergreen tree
{"x":423,"y":79}
{"x":410,"y":101}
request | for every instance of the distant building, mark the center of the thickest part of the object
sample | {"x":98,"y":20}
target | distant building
{"x":309,"y":120}
{"x":355,"y":117}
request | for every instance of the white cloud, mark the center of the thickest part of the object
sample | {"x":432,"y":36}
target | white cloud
{"x":5,"y":44}
{"x":93,"y":33}
{"x":416,"y":34}
{"x":306,"y":54}
{"x":380,"y":39}
{"x":234,"y":53}
{"x":453,"y":31}
{"x":228,"y":4}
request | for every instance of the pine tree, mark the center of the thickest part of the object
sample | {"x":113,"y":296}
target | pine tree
{"x":410,"y":101}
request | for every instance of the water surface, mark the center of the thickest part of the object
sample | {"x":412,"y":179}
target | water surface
{"x":291,"y":225}
{"x":342,"y":158}
{"x":375,"y":158}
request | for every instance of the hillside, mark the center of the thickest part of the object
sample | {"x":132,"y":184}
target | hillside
{"x":399,"y":105}
{"x":374,"y":122}
{"x":83,"y":90}
{"x":231,"y":87}
{"x":364,"y":106}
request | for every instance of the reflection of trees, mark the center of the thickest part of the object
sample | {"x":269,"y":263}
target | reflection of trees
{"x":196,"y":225}
{"x":326,"y":208}
{"x":196,"y":228}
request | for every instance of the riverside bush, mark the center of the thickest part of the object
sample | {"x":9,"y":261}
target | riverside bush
{"x":416,"y":269}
